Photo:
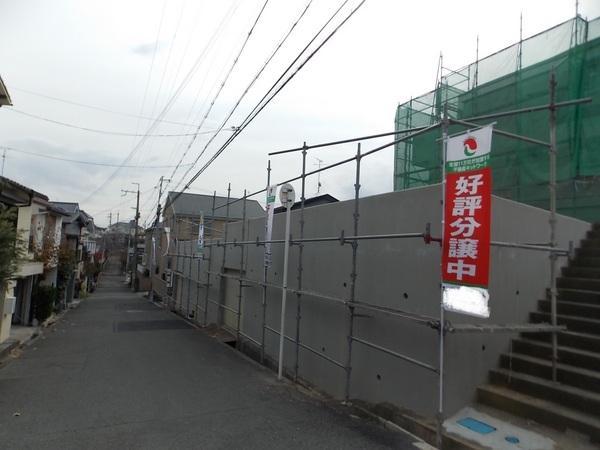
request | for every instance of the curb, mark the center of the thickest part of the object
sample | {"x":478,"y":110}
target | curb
{"x":8,"y":346}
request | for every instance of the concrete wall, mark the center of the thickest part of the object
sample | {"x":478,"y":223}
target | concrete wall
{"x":400,"y":274}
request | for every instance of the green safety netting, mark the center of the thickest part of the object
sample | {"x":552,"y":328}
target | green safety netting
{"x":513,"y":78}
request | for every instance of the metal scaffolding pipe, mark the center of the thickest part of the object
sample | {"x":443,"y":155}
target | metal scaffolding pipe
{"x":530,"y":109}
{"x":346,"y":141}
{"x":397,"y":355}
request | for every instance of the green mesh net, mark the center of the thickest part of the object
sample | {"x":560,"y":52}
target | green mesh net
{"x":514,"y":78}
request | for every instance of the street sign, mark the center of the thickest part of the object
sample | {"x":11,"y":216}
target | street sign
{"x":271,"y":195}
{"x":287,"y":195}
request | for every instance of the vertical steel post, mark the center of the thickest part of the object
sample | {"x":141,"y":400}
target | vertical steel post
{"x":353,"y":276}
{"x":222,"y":293}
{"x":552,"y":219}
{"x":197,"y":282}
{"x":300,"y":266}
{"x":241,"y":282}
{"x":265,"y":274}
{"x":286,"y":252}
{"x":209,"y":266}
{"x":190,"y":258}
{"x":442,"y":328}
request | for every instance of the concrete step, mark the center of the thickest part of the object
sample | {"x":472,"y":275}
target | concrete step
{"x":539,"y":410}
{"x":587,"y":284}
{"x":586,"y":379}
{"x":581,"y":341}
{"x":586,"y":261}
{"x":581,"y":272}
{"x":566,"y":355}
{"x":585,"y":310}
{"x":571,"y":397}
{"x":577,"y":295}
{"x":573,"y":323}
{"x":588,"y":252}
{"x":590,"y":243}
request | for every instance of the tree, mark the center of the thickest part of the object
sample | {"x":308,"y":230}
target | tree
{"x":12,"y":249}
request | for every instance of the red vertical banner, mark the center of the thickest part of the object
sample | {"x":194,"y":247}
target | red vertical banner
{"x":466,"y":249}
{"x":467,"y":221}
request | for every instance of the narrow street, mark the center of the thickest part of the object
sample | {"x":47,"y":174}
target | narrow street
{"x":121,"y":373}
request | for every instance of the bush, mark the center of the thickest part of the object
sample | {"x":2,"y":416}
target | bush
{"x":43,"y":299}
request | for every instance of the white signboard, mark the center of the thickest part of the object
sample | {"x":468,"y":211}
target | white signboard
{"x":200,"y":242}
{"x":271,"y":195}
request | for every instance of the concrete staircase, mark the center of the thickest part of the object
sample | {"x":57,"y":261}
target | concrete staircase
{"x":522,"y":384}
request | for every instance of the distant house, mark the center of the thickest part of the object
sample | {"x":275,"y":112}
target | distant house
{"x":39,"y":225}
{"x":310,"y":202}
{"x":182,"y":212}
{"x":182,"y":215}
{"x":72,"y":237}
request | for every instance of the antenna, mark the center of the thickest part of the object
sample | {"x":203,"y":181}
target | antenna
{"x":319,"y":163}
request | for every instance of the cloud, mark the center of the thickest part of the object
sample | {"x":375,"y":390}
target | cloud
{"x":146,"y":49}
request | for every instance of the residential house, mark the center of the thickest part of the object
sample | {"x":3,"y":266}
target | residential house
{"x":38,"y":223}
{"x":72,"y":226}
{"x":182,"y":215}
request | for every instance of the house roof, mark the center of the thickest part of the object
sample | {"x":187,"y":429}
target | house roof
{"x":15,"y":193}
{"x":4,"y":95}
{"x":309,"y":202}
{"x":73,"y":212}
{"x":196,"y":204}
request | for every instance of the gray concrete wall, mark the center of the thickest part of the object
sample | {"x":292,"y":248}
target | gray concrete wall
{"x":402,"y":274}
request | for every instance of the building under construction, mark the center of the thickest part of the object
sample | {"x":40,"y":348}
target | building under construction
{"x":514,"y":78}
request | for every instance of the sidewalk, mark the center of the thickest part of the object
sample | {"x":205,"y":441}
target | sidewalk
{"x":19,"y":335}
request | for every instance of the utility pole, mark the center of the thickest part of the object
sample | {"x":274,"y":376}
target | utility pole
{"x":117,"y":217}
{"x":3,"y":160}
{"x":158,"y":208}
{"x":135,"y":234}
{"x":109,"y":219}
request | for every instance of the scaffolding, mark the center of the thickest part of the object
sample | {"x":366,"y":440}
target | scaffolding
{"x":512,"y":79}
{"x":206,"y":283}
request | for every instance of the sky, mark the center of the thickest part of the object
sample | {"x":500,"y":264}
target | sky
{"x":106,"y":70}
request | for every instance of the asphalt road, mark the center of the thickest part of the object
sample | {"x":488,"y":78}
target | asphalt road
{"x":120,"y":373}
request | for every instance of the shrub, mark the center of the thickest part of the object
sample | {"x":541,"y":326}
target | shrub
{"x":43,"y":299}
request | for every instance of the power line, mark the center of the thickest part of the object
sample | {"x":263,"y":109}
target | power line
{"x":97,"y":108}
{"x":169,"y":104}
{"x":252,"y":115}
{"x":256,"y":77}
{"x":94,"y":130}
{"x":78,"y":161}
{"x":223,"y":83}
{"x":123,"y":202}
{"x":336,"y":12}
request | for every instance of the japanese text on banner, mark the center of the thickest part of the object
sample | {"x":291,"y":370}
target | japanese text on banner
{"x":467,"y":209}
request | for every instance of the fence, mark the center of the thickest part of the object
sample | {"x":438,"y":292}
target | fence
{"x":223,"y":282}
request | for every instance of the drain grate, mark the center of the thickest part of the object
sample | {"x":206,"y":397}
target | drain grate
{"x":150,"y":325}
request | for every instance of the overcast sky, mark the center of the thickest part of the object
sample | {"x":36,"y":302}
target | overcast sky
{"x":130,"y":57}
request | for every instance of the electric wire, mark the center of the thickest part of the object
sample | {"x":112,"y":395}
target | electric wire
{"x":99,"y":131}
{"x":97,"y":108}
{"x":274,"y":85}
{"x":251,"y":116}
{"x":224,"y":82}
{"x":167,"y":107}
{"x":252,"y":82}
{"x":78,"y":161}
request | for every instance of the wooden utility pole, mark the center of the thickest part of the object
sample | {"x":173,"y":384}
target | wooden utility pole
{"x":135,"y":235}
{"x":158,"y":207}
